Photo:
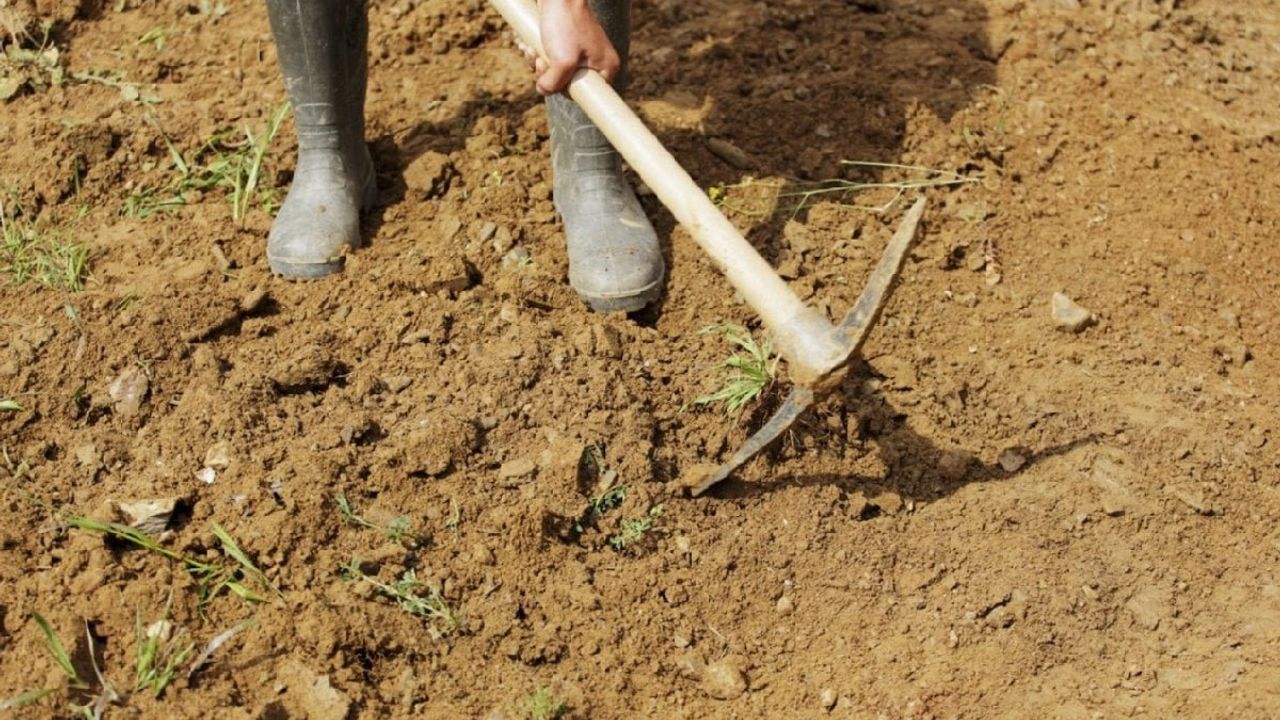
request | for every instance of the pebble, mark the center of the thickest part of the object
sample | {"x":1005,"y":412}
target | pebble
{"x":518,"y":468}
{"x":1012,"y":460}
{"x":785,"y":605}
{"x":518,"y":257}
{"x":1148,"y":608}
{"x":953,"y":465}
{"x":149,"y":516}
{"x":730,"y":153}
{"x":129,"y":390}
{"x":1069,"y":316}
{"x":219,"y":456}
{"x":722,"y":681}
{"x":827,"y":698}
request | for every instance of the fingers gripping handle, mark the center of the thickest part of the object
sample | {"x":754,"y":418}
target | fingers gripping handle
{"x":804,"y":337}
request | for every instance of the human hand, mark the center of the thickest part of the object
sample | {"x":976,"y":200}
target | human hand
{"x":572,"y":38}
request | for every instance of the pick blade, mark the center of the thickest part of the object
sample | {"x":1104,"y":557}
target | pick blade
{"x":792,"y":408}
{"x":862,"y":316}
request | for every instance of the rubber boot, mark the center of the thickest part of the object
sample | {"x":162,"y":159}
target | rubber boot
{"x":322,"y":49}
{"x":615,"y":263}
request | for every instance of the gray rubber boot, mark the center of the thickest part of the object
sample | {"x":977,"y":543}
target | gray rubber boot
{"x":615,"y":263}
{"x":322,"y":50}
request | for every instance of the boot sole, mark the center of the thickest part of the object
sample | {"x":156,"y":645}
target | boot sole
{"x":623,"y":303}
{"x":310,"y":269}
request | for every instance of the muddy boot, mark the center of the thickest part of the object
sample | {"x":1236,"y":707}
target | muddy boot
{"x":615,"y":263}
{"x":322,"y":45}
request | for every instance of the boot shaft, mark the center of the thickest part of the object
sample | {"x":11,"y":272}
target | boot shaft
{"x":322,"y":49}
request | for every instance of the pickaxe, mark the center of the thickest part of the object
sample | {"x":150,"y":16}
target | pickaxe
{"x":818,"y":353}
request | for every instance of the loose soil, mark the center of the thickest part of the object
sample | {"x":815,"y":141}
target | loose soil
{"x":994,"y":518}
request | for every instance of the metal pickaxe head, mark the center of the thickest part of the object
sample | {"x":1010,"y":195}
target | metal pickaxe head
{"x":849,"y":335}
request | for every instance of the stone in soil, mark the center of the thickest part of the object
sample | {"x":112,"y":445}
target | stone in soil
{"x":129,"y":390}
{"x":723,"y":680}
{"x":1069,"y":316}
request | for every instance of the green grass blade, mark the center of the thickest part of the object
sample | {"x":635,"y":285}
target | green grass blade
{"x":10,"y":406}
{"x":24,"y":699}
{"x":230,"y":547}
{"x":56,"y":649}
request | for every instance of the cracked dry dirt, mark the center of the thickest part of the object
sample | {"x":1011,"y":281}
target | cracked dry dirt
{"x":995,"y":518}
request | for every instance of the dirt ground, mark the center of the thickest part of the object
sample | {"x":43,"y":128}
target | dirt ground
{"x":994,"y":518}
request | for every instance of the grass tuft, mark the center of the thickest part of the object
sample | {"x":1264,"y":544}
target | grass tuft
{"x":31,"y":251}
{"x":226,"y":162}
{"x":160,"y":653}
{"x":542,"y":704}
{"x":443,"y":619}
{"x":212,"y":578}
{"x":747,"y":372}
{"x":634,"y":530}
{"x":399,"y":530}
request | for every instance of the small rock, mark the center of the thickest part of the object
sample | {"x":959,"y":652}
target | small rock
{"x":1012,"y":459}
{"x":311,"y":367}
{"x":730,"y":153}
{"x":253,"y":300}
{"x":129,"y":390}
{"x":207,"y":475}
{"x":690,"y":665}
{"x":518,"y":257}
{"x":1148,"y":608}
{"x":889,"y":502}
{"x":428,"y":175}
{"x":1194,"y":499}
{"x":88,"y":456}
{"x":481,"y":554}
{"x":1068,"y":316}
{"x":681,"y":641}
{"x":723,"y":681}
{"x":219,"y":456}
{"x":518,"y":468}
{"x":827,"y":698}
{"x":953,"y":465}
{"x":785,"y":605}
{"x":150,"y":516}
{"x":397,"y":383}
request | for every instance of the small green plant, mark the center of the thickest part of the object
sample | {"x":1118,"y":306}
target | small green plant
{"x":10,"y":406}
{"x":747,"y":372}
{"x":443,"y":619}
{"x":130,"y":91}
{"x":400,"y":529}
{"x":541,"y":704}
{"x":212,"y":578}
{"x":634,"y":530}
{"x":36,"y":69}
{"x":32,"y":251}
{"x":160,"y":653}
{"x":58,"y":652}
{"x":24,"y":699}
{"x":608,"y":499}
{"x":234,"y":165}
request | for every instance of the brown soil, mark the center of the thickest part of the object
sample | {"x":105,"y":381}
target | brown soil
{"x":895,"y":554}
